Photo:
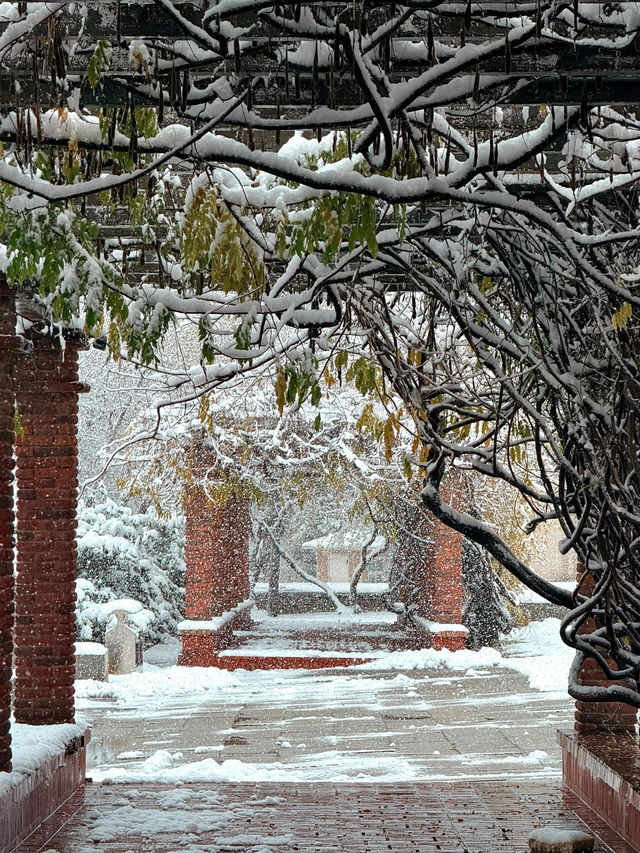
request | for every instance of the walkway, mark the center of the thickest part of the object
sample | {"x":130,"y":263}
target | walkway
{"x":339,"y":725}
{"x":369,"y":760}
{"x":471,"y":817}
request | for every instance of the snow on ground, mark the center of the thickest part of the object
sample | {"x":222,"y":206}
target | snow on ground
{"x":33,"y":746}
{"x":410,"y":715}
{"x":315,"y":621}
{"x":536,"y":651}
{"x":182,"y":817}
{"x":333,"y":765}
{"x":340,"y":588}
{"x":160,"y":682}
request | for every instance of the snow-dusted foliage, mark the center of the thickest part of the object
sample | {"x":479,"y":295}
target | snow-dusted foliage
{"x":128,"y":554}
{"x":484,"y":613}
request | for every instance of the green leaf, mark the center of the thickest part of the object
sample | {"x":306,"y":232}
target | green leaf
{"x":99,"y":62}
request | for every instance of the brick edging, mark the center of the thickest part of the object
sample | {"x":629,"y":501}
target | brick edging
{"x":37,"y":796}
{"x":588,"y":770}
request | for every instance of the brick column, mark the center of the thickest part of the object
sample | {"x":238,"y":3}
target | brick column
{"x":217,"y":571}
{"x":216,"y":555}
{"x":47,"y":474}
{"x":446,"y":588}
{"x":8,"y":345}
{"x":600,"y":716}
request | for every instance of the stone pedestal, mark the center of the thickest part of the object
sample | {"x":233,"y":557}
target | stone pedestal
{"x":121,"y":642}
{"x":91,"y":661}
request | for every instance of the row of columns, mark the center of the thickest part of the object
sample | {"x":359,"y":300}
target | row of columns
{"x":217,"y":580}
{"x":39,"y":390}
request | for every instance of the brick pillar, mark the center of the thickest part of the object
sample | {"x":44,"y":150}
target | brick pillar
{"x":216,"y":555}
{"x":446,"y":589}
{"x":600,"y":716}
{"x":8,"y":343}
{"x":47,"y":474}
{"x":217,"y":572}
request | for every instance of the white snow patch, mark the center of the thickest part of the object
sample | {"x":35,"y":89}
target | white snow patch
{"x":174,"y":681}
{"x":91,"y":649}
{"x":334,"y":765}
{"x":536,"y":651}
{"x":33,"y":746}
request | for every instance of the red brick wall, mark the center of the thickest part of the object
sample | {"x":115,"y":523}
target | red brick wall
{"x":601,"y":769}
{"x":46,"y":470}
{"x":38,"y":795}
{"x":8,"y":343}
{"x":216,"y":554}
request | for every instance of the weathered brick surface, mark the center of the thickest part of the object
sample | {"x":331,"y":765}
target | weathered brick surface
{"x":216,"y":555}
{"x":46,"y":471}
{"x":8,"y":346}
{"x":42,"y":794}
{"x":593,"y":717}
{"x":602,"y":768}
{"x":326,"y":816}
{"x":445,"y":583}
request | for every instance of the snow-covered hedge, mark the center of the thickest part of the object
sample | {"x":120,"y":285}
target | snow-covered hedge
{"x":124,"y":554}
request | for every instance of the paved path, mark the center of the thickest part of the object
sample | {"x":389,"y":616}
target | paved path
{"x":339,"y":761}
{"x":339,"y":725}
{"x":469,"y":817}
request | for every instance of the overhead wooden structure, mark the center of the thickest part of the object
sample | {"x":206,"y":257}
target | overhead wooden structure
{"x":585,"y":53}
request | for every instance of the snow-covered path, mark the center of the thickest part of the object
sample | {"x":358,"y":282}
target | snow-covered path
{"x":408,"y":716}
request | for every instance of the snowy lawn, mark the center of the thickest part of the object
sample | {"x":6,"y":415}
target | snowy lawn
{"x":536,"y":651}
{"x":410,"y":715}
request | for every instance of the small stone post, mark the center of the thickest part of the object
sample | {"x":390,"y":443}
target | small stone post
{"x":121,"y":641}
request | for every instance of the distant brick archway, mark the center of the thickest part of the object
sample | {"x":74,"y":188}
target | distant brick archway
{"x":217,"y":571}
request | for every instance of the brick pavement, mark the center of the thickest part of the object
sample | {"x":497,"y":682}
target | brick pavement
{"x":270,"y":817}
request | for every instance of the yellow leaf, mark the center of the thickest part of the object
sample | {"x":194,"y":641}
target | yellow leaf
{"x":408,"y":470}
{"x":389,"y":439}
{"x":621,"y":317}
